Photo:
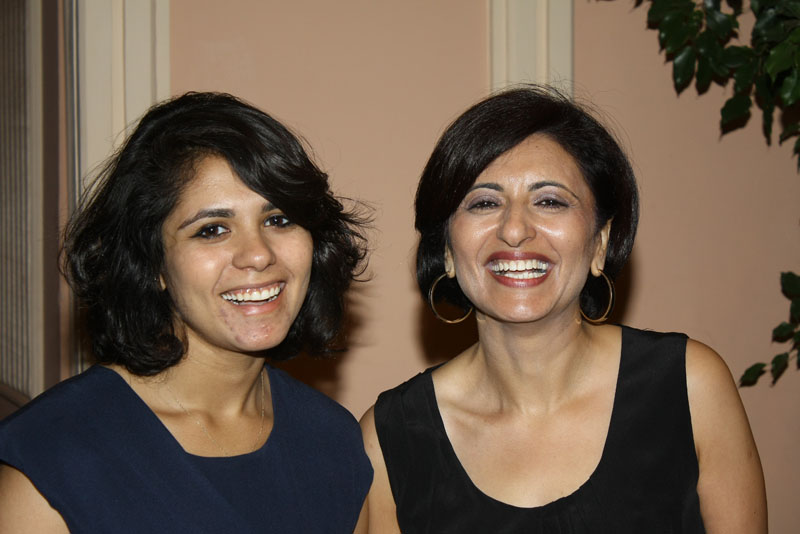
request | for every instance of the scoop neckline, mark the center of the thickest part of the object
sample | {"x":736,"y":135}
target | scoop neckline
{"x":439,"y":424}
{"x":161,"y":428}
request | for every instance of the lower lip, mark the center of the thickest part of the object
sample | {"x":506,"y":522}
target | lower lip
{"x":519,"y":282}
{"x":257,"y":307}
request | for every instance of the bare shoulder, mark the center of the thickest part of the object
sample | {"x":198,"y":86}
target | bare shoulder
{"x":380,"y":507}
{"x":731,"y":482}
{"x":23,"y":509}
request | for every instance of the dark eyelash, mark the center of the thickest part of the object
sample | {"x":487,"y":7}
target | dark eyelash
{"x":481,"y":204}
{"x":552,"y":203}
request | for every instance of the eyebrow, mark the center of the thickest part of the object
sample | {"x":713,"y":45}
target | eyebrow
{"x":221,"y":213}
{"x":534,"y":186}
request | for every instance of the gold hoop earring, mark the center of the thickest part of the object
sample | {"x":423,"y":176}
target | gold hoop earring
{"x":433,"y":308}
{"x":602,"y":318}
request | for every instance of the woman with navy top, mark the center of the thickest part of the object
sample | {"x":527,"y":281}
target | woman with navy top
{"x":210,"y":244}
{"x":551,"y":422}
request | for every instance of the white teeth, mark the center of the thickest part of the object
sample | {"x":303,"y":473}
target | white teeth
{"x":253,"y":295}
{"x":520,"y":269}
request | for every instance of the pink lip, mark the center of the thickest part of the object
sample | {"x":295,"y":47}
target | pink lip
{"x":517,"y":255}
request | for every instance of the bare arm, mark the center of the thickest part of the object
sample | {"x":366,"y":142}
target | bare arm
{"x":382,"y":513}
{"x":731,"y":484}
{"x":23,"y":510}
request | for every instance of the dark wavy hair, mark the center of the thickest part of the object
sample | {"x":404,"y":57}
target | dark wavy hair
{"x":113,"y":251}
{"x":495,"y":126}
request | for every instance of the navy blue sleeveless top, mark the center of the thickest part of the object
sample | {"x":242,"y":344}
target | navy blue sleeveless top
{"x":106,"y":463}
{"x":645,"y":482}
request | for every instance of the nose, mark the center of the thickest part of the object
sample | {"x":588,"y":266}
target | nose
{"x":516,"y":227}
{"x":252,"y":251}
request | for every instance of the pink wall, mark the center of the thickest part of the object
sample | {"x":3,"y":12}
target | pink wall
{"x":371,"y":85}
{"x":719,"y":223}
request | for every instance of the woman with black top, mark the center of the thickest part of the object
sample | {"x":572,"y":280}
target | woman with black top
{"x":551,"y":422}
{"x":211,"y":244}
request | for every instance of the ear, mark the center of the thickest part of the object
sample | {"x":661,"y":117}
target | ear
{"x":449,"y":265}
{"x":162,"y":283}
{"x":599,"y":260}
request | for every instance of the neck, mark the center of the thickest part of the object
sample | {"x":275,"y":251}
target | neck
{"x":532,"y":366}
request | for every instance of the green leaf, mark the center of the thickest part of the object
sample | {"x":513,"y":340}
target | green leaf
{"x":768,"y":28}
{"x":780,"y":59}
{"x":779,"y":365}
{"x":737,"y":107}
{"x":796,"y":152}
{"x":789,"y":131}
{"x":794,"y":311}
{"x":752,"y":374}
{"x":712,"y":4}
{"x":783,"y":332}
{"x":790,"y":284}
{"x":766,"y":100}
{"x":707,"y":46}
{"x":720,"y":23}
{"x":756,"y":6}
{"x":790,"y":89}
{"x":743,"y":76}
{"x":674,"y":32}
{"x":704,"y":75}
{"x":683,"y":68}
{"x":736,"y":56}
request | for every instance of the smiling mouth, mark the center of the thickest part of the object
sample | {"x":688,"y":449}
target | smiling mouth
{"x":519,"y":269}
{"x":253,"y":296}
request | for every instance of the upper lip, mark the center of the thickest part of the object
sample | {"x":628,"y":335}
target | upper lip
{"x":517,"y":255}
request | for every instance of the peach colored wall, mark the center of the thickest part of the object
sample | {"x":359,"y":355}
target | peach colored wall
{"x":370,"y":85}
{"x":719,"y":223}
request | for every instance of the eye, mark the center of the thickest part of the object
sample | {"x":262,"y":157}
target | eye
{"x":482,"y":203}
{"x":210,"y":231}
{"x":278,"y":220}
{"x":551,"y":203}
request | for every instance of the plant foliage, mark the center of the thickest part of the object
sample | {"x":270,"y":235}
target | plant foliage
{"x":697,"y":36}
{"x":786,"y":332}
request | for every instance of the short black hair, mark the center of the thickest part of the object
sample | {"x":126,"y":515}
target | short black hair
{"x":494,"y":126}
{"x":113,"y":251}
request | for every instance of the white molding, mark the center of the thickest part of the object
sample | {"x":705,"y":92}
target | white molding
{"x":530,"y":41}
{"x":35,"y":252}
{"x":123,"y":69}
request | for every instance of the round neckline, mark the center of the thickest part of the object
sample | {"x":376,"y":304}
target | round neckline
{"x":169,"y":438}
{"x":439,"y":424}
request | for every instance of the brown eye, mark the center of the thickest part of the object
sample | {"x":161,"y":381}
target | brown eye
{"x":279,"y":220}
{"x":210,"y":231}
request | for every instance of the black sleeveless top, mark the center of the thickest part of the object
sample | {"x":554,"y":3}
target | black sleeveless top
{"x":645,"y":483}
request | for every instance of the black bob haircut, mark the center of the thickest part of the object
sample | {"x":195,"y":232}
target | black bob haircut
{"x":498,"y":124}
{"x":113,"y":251}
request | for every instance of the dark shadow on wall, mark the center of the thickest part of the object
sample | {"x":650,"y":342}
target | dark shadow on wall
{"x":441,"y":341}
{"x":323,"y":372}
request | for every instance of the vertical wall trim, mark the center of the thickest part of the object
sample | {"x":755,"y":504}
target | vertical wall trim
{"x":123,"y":69}
{"x":33,"y":211}
{"x":530,"y":41}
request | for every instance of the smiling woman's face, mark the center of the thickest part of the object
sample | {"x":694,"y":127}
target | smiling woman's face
{"x":235,"y":266}
{"x":524,"y":239}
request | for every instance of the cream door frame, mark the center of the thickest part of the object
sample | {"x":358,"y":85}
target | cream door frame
{"x":122,"y":64}
{"x":530,"y":41}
